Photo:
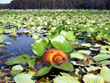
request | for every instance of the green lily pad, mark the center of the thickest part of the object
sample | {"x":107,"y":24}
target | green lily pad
{"x":24,"y":78}
{"x":34,"y":36}
{"x":77,"y":55}
{"x":8,"y":43}
{"x":60,"y":42}
{"x":67,"y":66}
{"x":2,"y":29}
{"x":43,"y":71}
{"x":101,"y":56}
{"x":90,"y":78}
{"x":105,"y":73}
{"x":90,"y":29}
{"x":16,"y":69}
{"x":39,"y":46}
{"x":86,"y":44}
{"x":70,"y":35}
{"x":2,"y":38}
{"x":92,"y":68}
{"x":31,"y":62}
{"x":85,"y":51}
{"x":105,"y":62}
{"x":18,"y":60}
{"x":65,"y":78}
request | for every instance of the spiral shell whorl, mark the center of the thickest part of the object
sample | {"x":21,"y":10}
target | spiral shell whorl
{"x":55,"y":56}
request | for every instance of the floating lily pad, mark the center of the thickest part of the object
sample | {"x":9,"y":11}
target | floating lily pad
{"x":86,"y":44}
{"x":70,"y":35}
{"x":24,"y":78}
{"x":2,"y":29}
{"x":2,"y":38}
{"x":90,"y":78}
{"x":43,"y":71}
{"x":105,"y":73}
{"x":65,"y":78}
{"x":92,"y":68}
{"x":105,"y":62}
{"x":16,"y":69}
{"x":31,"y":62}
{"x":18,"y":60}
{"x":59,"y":42}
{"x":67,"y":66}
{"x":77,"y":55}
{"x":88,"y":52}
{"x":8,"y":43}
{"x":39,"y":46}
{"x":101,"y":56}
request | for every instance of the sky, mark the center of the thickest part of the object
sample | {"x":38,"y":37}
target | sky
{"x":5,"y":1}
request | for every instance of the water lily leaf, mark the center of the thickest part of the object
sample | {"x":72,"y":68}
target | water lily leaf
{"x":85,"y":51}
{"x":101,"y":56}
{"x":67,"y":66}
{"x":8,"y":43}
{"x":2,"y":29}
{"x":8,"y":30}
{"x":90,"y":29}
{"x":24,"y":78}
{"x":90,"y":78}
{"x":105,"y":62}
{"x":94,"y":49}
{"x":63,"y":32}
{"x":65,"y":78}
{"x":18,"y":60}
{"x":77,"y":55}
{"x":2,"y":46}
{"x":35,"y":36}
{"x":70,"y":35}
{"x":59,"y":42}
{"x":86,"y":44}
{"x":59,"y":29}
{"x":92,"y":68}
{"x":2,"y":38}
{"x":31,"y":62}
{"x":105,"y":73}
{"x":39,"y":46}
{"x":16,"y":69}
{"x":43,"y":71}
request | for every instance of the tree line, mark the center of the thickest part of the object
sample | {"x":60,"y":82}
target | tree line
{"x":57,"y":4}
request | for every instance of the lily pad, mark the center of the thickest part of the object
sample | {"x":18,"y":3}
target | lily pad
{"x":86,"y":44}
{"x":105,"y":62}
{"x":2,"y":38}
{"x":24,"y":78}
{"x":65,"y":78}
{"x":60,"y":42}
{"x":43,"y":71}
{"x":88,"y":52}
{"x":77,"y":55}
{"x":105,"y":73}
{"x":16,"y":69}
{"x":31,"y":62}
{"x":39,"y":46}
{"x":2,"y":29}
{"x":67,"y":66}
{"x":90,"y":78}
{"x":101,"y":56}
{"x":70,"y":35}
{"x":92,"y":68}
{"x":18,"y":60}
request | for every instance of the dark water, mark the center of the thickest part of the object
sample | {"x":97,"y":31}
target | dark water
{"x":21,"y":44}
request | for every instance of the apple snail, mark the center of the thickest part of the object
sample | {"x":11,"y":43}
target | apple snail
{"x":56,"y":56}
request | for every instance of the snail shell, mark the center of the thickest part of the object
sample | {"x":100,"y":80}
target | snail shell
{"x":55,"y":56}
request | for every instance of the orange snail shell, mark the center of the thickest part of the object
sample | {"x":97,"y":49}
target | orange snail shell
{"x":55,"y":56}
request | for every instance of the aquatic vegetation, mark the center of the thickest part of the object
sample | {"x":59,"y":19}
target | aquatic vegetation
{"x":71,"y":45}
